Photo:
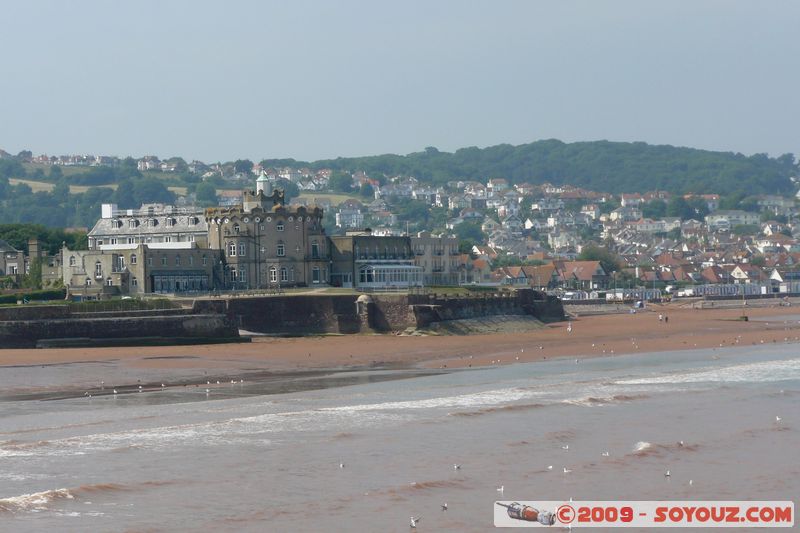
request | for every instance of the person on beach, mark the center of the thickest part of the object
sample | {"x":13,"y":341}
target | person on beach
{"x":660,"y":317}
{"x":569,"y":327}
{"x":666,"y":319}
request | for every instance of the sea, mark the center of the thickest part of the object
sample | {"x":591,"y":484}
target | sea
{"x":366,"y":450}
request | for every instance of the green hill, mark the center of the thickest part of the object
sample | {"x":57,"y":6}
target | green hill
{"x":598,"y":165}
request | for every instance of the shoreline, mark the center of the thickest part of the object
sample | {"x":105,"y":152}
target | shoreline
{"x":268,"y":359}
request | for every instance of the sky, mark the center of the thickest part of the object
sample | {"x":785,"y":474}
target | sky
{"x":219,"y":81}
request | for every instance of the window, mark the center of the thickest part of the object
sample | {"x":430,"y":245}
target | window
{"x":100,"y":242}
{"x":149,"y":261}
{"x":273,"y":275}
{"x":98,"y":269}
{"x":315,"y":250}
{"x":109,"y":283}
{"x":170,"y":222}
{"x":279,"y":226}
{"x":315,"y":275}
{"x":177,"y":260}
{"x":191,"y":260}
{"x":291,"y":274}
{"x":236,"y":228}
{"x":191,"y":237}
{"x":284,"y":274}
{"x":242,"y":248}
{"x":121,"y":263}
{"x":205,"y":261}
{"x":135,"y":282}
{"x":72,"y":260}
{"x":163,"y":260}
{"x":281,"y":249}
{"x":168,"y":239}
{"x":232,"y":249}
{"x":133,"y":223}
{"x":131,"y":240}
{"x":242,"y":275}
{"x":114,"y":240}
{"x":133,"y":259}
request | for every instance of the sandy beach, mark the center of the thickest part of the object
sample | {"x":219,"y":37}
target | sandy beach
{"x":365,"y":430}
{"x":599,"y":335}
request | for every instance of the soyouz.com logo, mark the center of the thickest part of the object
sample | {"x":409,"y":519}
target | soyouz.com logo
{"x":640,"y":514}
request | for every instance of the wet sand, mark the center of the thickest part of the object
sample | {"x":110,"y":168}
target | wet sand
{"x":266,"y":356}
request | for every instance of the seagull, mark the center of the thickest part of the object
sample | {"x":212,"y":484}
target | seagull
{"x":691,"y":482}
{"x":207,"y":391}
{"x":680,"y":443}
{"x":414,"y":522}
{"x":550,"y":467}
{"x":444,"y":506}
{"x":140,"y":388}
{"x":567,"y":470}
{"x":456,"y":466}
{"x":666,"y":474}
{"x":163,"y":386}
{"x":565,"y":447}
{"x":501,"y":489}
{"x":115,"y":391}
{"x":605,"y":454}
{"x":102,"y":384}
{"x":341,"y":465}
{"x":778,"y":419}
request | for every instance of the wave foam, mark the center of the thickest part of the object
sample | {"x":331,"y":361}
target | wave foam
{"x":762,"y":372}
{"x":34,"y":501}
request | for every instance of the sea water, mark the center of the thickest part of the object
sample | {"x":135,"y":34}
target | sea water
{"x":368,"y":455}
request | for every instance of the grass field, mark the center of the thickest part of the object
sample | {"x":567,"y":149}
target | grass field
{"x":335,"y":198}
{"x":37,"y":186}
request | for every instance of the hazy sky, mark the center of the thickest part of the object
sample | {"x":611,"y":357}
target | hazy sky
{"x":231,"y":79}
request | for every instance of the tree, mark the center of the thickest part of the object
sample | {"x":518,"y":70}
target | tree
{"x":242,"y":166}
{"x":206,"y":194}
{"x":655,"y":209}
{"x":367,"y":191}
{"x":679,"y":207}
{"x":56,"y":173}
{"x":33,"y":278}
{"x":290,"y":189}
{"x":608,"y":259}
{"x":470,"y":231}
{"x":341,"y":182}
{"x":125,"y":195}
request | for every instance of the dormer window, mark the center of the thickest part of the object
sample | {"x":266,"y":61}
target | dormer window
{"x":236,"y":228}
{"x":133,"y":223}
{"x":279,"y":226}
{"x":152,"y":222}
{"x":170,"y":222}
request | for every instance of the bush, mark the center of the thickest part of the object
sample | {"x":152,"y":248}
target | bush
{"x":44,"y":295}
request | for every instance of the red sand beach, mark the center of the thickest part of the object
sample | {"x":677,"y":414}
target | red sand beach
{"x":590,"y":336}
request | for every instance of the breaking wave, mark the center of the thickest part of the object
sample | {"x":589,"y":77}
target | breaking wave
{"x":33,"y":502}
{"x":38,"y":501}
{"x":762,"y":372}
